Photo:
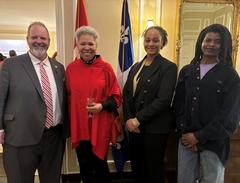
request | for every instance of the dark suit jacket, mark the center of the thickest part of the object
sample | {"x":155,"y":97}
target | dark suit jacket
{"x":153,"y":96}
{"x":22,"y":106}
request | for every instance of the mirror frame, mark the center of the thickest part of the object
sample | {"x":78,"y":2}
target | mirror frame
{"x":235,"y":26}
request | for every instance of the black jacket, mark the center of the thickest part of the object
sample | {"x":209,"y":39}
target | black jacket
{"x":153,"y":96}
{"x":208,"y":107}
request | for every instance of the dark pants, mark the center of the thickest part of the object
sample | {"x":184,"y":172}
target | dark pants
{"x":147,"y":152}
{"x":92,"y":169}
{"x":20,"y":163}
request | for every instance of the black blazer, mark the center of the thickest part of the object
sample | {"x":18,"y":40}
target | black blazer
{"x":151,"y":103}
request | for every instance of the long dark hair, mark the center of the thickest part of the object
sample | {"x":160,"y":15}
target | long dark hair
{"x":225,"y":55}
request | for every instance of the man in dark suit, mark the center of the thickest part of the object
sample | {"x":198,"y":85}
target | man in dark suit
{"x":33,"y":124}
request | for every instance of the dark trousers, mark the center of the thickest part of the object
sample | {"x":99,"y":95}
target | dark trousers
{"x":92,"y":169}
{"x":20,"y":163}
{"x":147,"y":152}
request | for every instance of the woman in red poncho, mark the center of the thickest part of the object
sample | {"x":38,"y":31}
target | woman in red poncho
{"x":94,"y":95}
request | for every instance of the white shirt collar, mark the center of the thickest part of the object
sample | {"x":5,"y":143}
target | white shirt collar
{"x":36,"y":61}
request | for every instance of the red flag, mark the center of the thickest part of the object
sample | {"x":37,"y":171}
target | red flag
{"x":81,"y":18}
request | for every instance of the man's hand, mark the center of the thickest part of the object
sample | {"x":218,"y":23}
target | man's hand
{"x":2,"y":137}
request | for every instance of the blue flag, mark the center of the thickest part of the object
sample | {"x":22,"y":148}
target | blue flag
{"x":120,"y":153}
{"x":125,"y":55}
{"x":125,"y":61}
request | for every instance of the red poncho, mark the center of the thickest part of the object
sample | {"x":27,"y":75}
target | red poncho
{"x":96,"y":80}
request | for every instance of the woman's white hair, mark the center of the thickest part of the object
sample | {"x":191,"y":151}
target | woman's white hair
{"x":87,"y":30}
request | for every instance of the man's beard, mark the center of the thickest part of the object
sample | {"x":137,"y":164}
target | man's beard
{"x":39,"y":51}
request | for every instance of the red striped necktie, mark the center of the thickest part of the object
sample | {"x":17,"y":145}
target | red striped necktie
{"x":47,"y":94}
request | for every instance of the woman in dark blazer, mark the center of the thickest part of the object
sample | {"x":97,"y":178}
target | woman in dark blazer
{"x":147,"y":98}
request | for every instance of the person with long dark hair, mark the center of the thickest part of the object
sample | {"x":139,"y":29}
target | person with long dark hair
{"x":206,"y":104}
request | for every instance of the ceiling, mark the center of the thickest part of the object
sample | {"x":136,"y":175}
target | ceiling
{"x":20,"y":13}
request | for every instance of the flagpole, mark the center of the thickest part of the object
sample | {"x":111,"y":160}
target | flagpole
{"x":124,"y":23}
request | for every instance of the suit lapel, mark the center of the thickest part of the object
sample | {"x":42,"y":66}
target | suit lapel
{"x":58,"y":79}
{"x":146,"y":78}
{"x":30,"y":70}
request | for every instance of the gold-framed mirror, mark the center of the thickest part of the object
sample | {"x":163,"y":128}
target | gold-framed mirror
{"x":194,"y":15}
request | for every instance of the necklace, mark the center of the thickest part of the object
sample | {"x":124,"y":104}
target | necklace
{"x":89,"y":61}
